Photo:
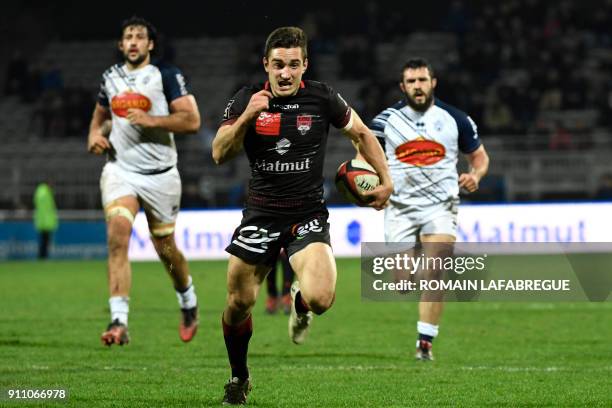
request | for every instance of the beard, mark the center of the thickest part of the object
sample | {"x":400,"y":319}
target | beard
{"x":420,"y":107}
{"x":135,"y":61}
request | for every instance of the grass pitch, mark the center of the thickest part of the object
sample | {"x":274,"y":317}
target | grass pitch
{"x":359,"y":354}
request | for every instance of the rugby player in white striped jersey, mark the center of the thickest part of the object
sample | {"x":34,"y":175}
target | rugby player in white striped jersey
{"x":147,"y":103}
{"x":422,"y":137}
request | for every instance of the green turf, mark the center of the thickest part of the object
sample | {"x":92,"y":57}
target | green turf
{"x":359,"y":354}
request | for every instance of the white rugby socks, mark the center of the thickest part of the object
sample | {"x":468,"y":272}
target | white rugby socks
{"x":119,"y":308}
{"x":427,"y":332}
{"x":187,"y":299}
{"x":427,"y":329}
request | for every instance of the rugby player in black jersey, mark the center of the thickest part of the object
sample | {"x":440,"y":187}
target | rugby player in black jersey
{"x":283,"y":125}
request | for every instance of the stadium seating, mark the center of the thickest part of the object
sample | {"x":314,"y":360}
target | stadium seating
{"x":554,"y":147}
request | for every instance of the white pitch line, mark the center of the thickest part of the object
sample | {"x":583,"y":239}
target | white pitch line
{"x":408,"y":366}
{"x":537,"y":369}
{"x":309,"y":367}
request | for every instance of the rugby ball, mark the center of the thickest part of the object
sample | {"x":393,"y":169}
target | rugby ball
{"x":355,"y":177}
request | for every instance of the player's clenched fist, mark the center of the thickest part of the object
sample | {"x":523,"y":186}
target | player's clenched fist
{"x":469,"y":181}
{"x":140,"y":117}
{"x":97,"y":144}
{"x":380,"y":196}
{"x":259,"y":102}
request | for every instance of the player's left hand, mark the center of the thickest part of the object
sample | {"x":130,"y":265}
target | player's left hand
{"x":140,"y":117}
{"x":380,"y":196}
{"x":469,"y":181}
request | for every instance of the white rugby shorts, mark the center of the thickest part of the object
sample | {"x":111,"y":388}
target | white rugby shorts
{"x":406,"y":223}
{"x":158,"y":194}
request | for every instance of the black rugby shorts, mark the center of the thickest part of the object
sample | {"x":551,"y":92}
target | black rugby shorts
{"x":261,"y":235}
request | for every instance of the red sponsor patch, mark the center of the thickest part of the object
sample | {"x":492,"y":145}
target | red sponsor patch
{"x":420,"y":152}
{"x":303,"y":124}
{"x":129,"y":100}
{"x":268,"y":124}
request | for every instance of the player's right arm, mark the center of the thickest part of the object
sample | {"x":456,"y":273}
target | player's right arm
{"x":230,"y":136}
{"x":97,"y":142}
{"x":369,"y":149}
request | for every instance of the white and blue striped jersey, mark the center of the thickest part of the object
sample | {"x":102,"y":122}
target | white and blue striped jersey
{"x":422,"y":150}
{"x":151,"y":88}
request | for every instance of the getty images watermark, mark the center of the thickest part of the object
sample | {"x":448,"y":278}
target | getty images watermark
{"x":486,"y":272}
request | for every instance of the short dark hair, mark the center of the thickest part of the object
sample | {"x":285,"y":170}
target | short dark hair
{"x":287,"y":37}
{"x":415,"y":63}
{"x":139,"y":21}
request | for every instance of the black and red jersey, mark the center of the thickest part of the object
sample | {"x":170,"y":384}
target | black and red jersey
{"x":286,"y":144}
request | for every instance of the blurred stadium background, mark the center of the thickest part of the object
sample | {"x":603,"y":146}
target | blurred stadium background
{"x":534,"y":74}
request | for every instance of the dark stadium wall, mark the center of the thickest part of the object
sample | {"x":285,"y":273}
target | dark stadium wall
{"x":74,"y":20}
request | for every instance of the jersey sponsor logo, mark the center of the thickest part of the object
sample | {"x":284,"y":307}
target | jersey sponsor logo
{"x":288,"y":107}
{"x":304,"y":123}
{"x":420,"y":152}
{"x":282,"y":146}
{"x":268,"y":124}
{"x":255,"y":239}
{"x":301,"y":230}
{"x":300,"y":166}
{"x":129,"y":100}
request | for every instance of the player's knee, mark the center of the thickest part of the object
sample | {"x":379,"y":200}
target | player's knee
{"x":162,"y":232}
{"x":166,"y":248}
{"x":321,"y":302}
{"x":119,"y":215}
{"x":119,"y":221}
{"x":117,"y":243}
{"x":241,"y":302}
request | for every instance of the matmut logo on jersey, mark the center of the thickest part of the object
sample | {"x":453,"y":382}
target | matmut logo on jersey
{"x":420,"y":152}
{"x":129,"y":100}
{"x":278,"y":166}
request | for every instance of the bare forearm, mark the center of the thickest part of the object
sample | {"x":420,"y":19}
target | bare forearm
{"x":228,"y":141}
{"x":479,"y":163}
{"x":178,"y":122}
{"x":369,"y":148}
{"x":98,"y":119}
{"x":97,"y":142}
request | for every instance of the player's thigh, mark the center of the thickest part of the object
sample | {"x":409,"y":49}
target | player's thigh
{"x":315,"y":268}
{"x":244,"y":281}
{"x":116,"y":188}
{"x":258,"y":239}
{"x":160,"y":195}
{"x":401,"y":225}
{"x":311,"y":257}
{"x":440,"y":223}
{"x":437,"y":245}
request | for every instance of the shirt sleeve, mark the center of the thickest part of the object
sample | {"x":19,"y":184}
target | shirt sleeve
{"x":174,"y":83}
{"x":236,"y":105}
{"x":340,"y":111}
{"x":469,"y":140}
{"x":102,"y":94}
{"x":377,"y":126}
